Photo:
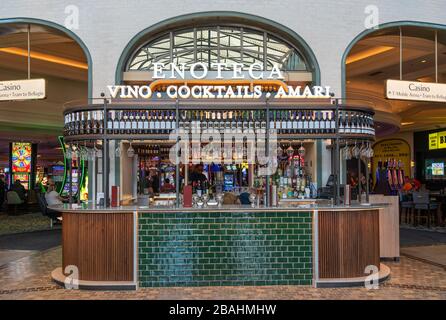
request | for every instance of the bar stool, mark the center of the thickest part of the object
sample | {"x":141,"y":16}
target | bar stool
{"x":424,"y":206}
{"x":406,"y":208}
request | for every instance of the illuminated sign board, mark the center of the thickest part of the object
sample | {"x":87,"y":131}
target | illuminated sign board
{"x":416,"y":91}
{"x":22,"y":90}
{"x":172,"y":80}
{"x":437,"y":140}
{"x":438,"y":169}
{"x":21,"y":157}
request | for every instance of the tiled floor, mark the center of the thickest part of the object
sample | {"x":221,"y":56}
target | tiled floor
{"x":29,"y":278}
{"x":435,"y":254}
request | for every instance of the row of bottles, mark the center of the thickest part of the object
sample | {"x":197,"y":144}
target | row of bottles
{"x":153,"y":150}
{"x":290,"y":178}
{"x":164,"y":121}
{"x":84,"y":122}
{"x":355,"y":123}
{"x":302,"y":122}
{"x":240,"y":121}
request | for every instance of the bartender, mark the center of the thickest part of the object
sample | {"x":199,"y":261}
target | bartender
{"x":197,"y":174}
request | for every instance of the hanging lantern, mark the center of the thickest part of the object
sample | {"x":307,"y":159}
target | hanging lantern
{"x":290,"y":151}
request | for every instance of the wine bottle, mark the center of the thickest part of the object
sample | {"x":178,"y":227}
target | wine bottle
{"x":306,"y":124}
{"x":311,"y":123}
{"x":115,"y":126}
{"x":262,"y":120}
{"x":139,"y":123}
{"x":100,"y":122}
{"x":341,"y":123}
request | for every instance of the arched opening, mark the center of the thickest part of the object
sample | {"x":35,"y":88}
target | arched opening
{"x":38,"y":49}
{"x":410,"y":51}
{"x":218,"y":37}
{"x":374,"y":56}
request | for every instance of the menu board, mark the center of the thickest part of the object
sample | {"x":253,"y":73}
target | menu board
{"x":21,"y":157}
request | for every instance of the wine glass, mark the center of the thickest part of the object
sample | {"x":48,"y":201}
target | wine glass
{"x":219,"y":198}
{"x":205,"y":199}
{"x":252,"y":199}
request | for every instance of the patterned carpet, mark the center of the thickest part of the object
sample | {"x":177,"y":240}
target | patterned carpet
{"x":23,"y":223}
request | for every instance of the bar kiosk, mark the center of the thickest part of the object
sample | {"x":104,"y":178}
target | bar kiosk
{"x":247,"y":224}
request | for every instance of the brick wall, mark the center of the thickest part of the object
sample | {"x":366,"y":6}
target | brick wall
{"x":212,"y":249}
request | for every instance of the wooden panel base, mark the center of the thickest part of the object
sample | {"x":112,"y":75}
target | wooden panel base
{"x":100,"y":245}
{"x":348,"y":243}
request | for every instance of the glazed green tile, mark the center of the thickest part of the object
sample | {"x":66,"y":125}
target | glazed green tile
{"x":196,"y":249}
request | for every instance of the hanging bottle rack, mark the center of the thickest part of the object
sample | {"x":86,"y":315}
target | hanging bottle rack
{"x":157,"y":120}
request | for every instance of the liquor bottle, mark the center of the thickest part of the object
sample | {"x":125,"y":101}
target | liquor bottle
{"x":283,"y":122}
{"x":110,"y":121}
{"x":249,"y":116}
{"x":342,"y":123}
{"x":348,"y":124}
{"x":115,"y":122}
{"x":300,"y":124}
{"x":323,"y":122}
{"x":82,"y":124}
{"x":133,"y":123}
{"x":91,"y":122}
{"x":263,"y":120}
{"x":317,"y":122}
{"x":163,"y":121}
{"x":233,"y":125}
{"x":294,"y":124}
{"x":173,"y":119}
{"x":239,"y":122}
{"x":278,"y":122}
{"x":88,"y":124}
{"x":305,"y":122}
{"x":139,"y":123}
{"x":66,"y":127}
{"x":153,"y":121}
{"x":121,"y":122}
{"x":145,"y":122}
{"x":156,"y":123}
{"x":168,"y":122}
{"x":245,"y":124}
{"x":77,"y":124}
{"x":311,"y":120}
{"x":65,"y":122}
{"x":100,"y":122}
{"x":289,"y":122}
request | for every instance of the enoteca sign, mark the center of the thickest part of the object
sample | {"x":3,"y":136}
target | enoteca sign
{"x":173,"y":81}
{"x":416,"y":91}
{"x":29,"y":89}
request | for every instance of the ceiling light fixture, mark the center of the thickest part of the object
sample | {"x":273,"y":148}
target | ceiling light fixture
{"x":367,"y":53}
{"x":46,"y":57}
{"x":407,"y":123}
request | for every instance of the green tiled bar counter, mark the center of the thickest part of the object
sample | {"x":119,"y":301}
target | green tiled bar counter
{"x":225,"y":248}
{"x":131,"y":246}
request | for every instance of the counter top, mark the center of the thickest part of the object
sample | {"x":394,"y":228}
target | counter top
{"x":224,"y":208}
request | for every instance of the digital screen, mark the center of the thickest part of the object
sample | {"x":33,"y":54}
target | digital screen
{"x":438,"y":168}
{"x":21,"y":157}
{"x":58,"y":170}
{"x":23,"y":178}
{"x":74,"y":185}
{"x":229,"y":182}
